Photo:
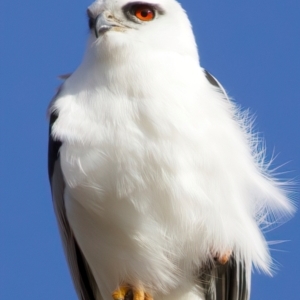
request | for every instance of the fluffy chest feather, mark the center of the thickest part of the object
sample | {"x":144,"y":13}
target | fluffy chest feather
{"x":174,"y":158}
{"x":161,"y":153}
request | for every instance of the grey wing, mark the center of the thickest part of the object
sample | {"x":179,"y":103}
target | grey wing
{"x":82,"y":277}
{"x":213,"y":81}
{"x":230,"y":281}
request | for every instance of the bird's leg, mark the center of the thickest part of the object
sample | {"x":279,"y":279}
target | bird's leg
{"x":141,"y":295}
{"x":120,"y":292}
{"x":223,"y":258}
{"x":125,"y":292}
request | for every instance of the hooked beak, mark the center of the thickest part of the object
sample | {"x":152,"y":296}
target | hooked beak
{"x":104,"y":23}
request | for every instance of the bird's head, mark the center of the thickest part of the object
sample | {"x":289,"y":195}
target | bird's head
{"x":119,"y":27}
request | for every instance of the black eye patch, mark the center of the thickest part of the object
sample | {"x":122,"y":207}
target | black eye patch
{"x":91,"y":23}
{"x":91,"y":18}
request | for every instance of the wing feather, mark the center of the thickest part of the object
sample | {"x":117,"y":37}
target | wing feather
{"x":213,"y":81}
{"x":230,"y":281}
{"x":226,"y":282}
{"x":82,"y":277}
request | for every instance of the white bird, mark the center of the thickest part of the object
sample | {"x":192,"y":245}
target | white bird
{"x":159,"y":187}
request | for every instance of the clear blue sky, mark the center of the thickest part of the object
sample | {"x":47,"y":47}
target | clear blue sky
{"x":252,"y":47}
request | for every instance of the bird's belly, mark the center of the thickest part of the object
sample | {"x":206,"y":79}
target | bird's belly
{"x":122,"y":245}
{"x":150,"y":219}
{"x":128,"y":221}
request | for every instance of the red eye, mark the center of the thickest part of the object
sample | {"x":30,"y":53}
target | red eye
{"x":144,"y":13}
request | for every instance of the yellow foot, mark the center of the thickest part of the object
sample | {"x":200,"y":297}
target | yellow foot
{"x":223,"y":258}
{"x":126,"y":291}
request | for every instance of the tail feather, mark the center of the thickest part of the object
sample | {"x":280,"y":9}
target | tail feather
{"x":230,"y":281}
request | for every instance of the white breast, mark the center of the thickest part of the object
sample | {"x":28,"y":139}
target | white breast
{"x":157,"y":179}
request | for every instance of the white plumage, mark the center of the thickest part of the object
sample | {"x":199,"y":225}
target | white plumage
{"x":160,"y":169}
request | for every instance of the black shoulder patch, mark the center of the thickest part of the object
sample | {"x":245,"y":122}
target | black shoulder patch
{"x":211,"y":79}
{"x":53,"y":147}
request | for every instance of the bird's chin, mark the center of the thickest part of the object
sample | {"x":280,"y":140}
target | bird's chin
{"x":112,"y":44}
